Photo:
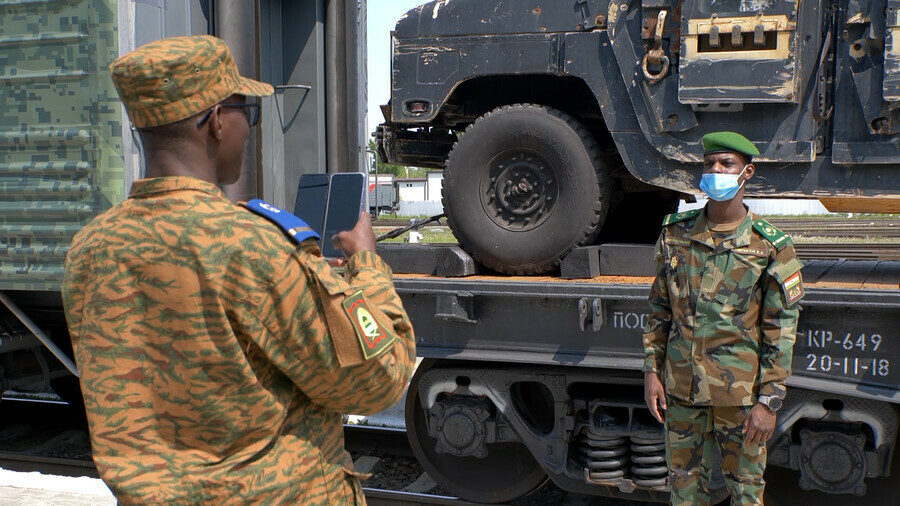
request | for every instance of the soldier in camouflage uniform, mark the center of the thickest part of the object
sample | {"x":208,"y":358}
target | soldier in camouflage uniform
{"x":719,"y":341}
{"x":217,"y":348}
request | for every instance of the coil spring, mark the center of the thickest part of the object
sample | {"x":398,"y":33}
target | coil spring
{"x":648,"y":458}
{"x":603,"y":456}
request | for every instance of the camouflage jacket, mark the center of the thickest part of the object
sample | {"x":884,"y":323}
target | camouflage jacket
{"x":723,"y":318}
{"x":215,"y":353}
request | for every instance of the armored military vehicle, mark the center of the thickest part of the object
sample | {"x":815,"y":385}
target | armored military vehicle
{"x":558,"y":123}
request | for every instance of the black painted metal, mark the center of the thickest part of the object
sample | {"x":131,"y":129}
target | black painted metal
{"x":554,"y":323}
{"x":436,"y":259}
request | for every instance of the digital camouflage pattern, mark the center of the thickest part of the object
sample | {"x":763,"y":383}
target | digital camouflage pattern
{"x":693,"y":435}
{"x":171,"y":79}
{"x":61,"y":146}
{"x":210,"y":364}
{"x":721,"y":329}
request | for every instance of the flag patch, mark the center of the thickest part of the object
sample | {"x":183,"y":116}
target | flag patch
{"x":373,"y":337}
{"x":793,"y":288}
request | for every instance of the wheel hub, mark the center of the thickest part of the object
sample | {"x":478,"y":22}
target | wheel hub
{"x":520,"y":192}
{"x":460,"y":427}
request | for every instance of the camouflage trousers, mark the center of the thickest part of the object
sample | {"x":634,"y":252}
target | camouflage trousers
{"x":692,"y":435}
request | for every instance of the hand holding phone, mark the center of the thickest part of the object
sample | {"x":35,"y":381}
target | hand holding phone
{"x":359,"y":238}
{"x":346,"y":196}
{"x":333,"y":203}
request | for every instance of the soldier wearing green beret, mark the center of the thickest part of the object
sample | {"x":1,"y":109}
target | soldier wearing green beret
{"x":217,"y":348}
{"x":719,"y":341}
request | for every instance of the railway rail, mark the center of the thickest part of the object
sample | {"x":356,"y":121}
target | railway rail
{"x":848,"y":251}
{"x":875,"y":227}
{"x":40,"y":433}
{"x":36,"y":435}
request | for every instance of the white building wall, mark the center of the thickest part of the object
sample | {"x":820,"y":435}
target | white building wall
{"x":411,"y":190}
{"x":420,"y":208}
{"x":788,"y":207}
{"x":433,"y":185}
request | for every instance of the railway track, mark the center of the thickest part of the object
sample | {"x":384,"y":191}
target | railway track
{"x":47,"y":437}
{"x":42,"y":437}
{"x":848,"y":251}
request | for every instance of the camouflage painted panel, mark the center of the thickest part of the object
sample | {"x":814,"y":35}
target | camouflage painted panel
{"x":60,"y":133}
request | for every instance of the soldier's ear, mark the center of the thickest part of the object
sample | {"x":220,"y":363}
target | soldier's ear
{"x":215,"y":122}
{"x":749,"y":171}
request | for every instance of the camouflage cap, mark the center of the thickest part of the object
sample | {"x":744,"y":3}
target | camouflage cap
{"x":728,"y":141}
{"x":171,"y":79}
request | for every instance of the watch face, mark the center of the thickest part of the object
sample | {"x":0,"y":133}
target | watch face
{"x":774,"y":403}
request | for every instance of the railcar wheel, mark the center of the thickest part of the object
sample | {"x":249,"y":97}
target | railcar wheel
{"x":524,"y":186}
{"x":506,"y":473}
{"x":782,"y":489}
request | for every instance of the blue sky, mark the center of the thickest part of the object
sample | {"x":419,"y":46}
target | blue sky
{"x":382,"y":16}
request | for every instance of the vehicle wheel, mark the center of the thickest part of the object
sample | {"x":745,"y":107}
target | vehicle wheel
{"x":523,"y":186}
{"x":508,"y":472}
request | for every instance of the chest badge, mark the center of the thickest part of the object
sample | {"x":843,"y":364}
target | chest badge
{"x":674,"y":263}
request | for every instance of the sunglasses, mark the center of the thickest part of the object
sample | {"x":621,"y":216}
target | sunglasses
{"x":251,"y":112}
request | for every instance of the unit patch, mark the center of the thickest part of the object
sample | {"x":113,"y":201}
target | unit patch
{"x":793,"y":288}
{"x":373,"y":338}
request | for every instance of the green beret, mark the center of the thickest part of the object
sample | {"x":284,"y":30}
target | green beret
{"x":728,"y":141}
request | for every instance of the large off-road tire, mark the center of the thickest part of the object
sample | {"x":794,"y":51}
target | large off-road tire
{"x":523,"y":186}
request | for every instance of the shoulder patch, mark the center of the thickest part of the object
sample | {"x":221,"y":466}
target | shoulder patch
{"x":294,"y":226}
{"x":778,"y":238}
{"x":373,"y":337}
{"x":676,"y":217}
{"x":793,"y":288}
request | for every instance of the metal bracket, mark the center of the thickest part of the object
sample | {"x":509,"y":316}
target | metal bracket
{"x":455,"y":307}
{"x":590,"y":310}
{"x":656,"y":55}
{"x":39,"y":334}
{"x":588,"y":22}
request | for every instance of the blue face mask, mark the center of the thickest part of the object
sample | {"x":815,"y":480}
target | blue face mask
{"x":722,"y":187}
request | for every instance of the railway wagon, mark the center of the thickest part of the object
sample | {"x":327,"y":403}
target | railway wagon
{"x":68,"y":152}
{"x":563,"y":125}
{"x":534,"y":378}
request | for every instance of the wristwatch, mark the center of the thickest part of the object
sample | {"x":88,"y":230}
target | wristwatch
{"x":770,"y":401}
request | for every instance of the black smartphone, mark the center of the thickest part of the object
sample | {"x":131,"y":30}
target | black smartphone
{"x":346,"y":199}
{"x":312,"y":197}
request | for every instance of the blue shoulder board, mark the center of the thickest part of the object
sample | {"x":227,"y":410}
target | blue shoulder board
{"x":294,"y":226}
